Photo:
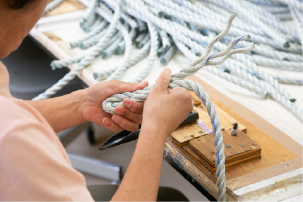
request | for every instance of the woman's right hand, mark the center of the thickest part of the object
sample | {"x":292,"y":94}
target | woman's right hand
{"x":165,"y":110}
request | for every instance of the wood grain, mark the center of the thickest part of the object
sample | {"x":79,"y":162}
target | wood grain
{"x":185,"y":133}
{"x":241,"y":149}
{"x":273,"y":152}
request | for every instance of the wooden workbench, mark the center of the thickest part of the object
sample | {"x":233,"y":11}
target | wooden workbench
{"x":277,"y":176}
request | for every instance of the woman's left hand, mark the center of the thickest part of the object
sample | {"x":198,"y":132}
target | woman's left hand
{"x":126,"y":117}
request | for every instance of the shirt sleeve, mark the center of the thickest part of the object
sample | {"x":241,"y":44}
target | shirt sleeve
{"x":32,"y":167}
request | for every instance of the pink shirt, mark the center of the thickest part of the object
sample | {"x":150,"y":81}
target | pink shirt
{"x":33,"y":162}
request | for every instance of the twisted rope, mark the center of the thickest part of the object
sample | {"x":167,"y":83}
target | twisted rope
{"x":278,"y":64}
{"x":152,"y":55}
{"x":91,"y":34}
{"x":240,"y":82}
{"x":168,"y":55}
{"x":85,"y":61}
{"x":52,"y":5}
{"x":176,"y":81}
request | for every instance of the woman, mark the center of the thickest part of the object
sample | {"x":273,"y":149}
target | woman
{"x":33,"y":163}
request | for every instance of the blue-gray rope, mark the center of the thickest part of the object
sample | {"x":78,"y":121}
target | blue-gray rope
{"x":86,"y":60}
{"x":177,"y":81}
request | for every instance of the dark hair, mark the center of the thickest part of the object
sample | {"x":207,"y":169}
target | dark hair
{"x":18,"y":4}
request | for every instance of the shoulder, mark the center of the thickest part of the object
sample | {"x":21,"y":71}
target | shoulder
{"x":13,"y":113}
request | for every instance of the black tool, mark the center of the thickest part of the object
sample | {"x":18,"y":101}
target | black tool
{"x":127,"y":136}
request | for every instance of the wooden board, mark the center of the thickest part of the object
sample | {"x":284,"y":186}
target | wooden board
{"x":242,"y":149}
{"x":280,"y":153}
{"x":273,"y":152}
{"x":225,"y":119}
{"x":186,"y":133}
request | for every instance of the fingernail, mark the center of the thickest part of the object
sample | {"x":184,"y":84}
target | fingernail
{"x":117,"y":110}
{"x":128,"y":104}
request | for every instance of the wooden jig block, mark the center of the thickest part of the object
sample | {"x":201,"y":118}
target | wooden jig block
{"x":238,"y":149}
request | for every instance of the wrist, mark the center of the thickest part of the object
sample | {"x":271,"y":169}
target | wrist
{"x":153,"y":133}
{"x":79,"y":98}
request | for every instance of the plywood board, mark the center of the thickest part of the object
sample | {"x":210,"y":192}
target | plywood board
{"x":186,"y":133}
{"x":280,"y":153}
{"x":273,"y":152}
{"x":241,"y":149}
{"x":227,"y":120}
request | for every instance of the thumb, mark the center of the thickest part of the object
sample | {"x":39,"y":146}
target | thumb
{"x":163,"y":80}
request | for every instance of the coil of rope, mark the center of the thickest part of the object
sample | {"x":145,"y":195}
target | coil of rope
{"x":162,"y":27}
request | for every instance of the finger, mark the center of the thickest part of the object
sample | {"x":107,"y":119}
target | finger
{"x":136,"y":107}
{"x":163,"y":80}
{"x":176,"y":90}
{"x":127,"y":114}
{"x":124,"y":123}
{"x":142,"y":85}
{"x":109,"y":124}
{"x":117,"y":87}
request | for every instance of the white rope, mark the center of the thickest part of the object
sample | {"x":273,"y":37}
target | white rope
{"x":176,"y":81}
{"x":85,"y":61}
{"x":148,"y":22}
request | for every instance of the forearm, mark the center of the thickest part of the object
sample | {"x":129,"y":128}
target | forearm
{"x":61,"y":112}
{"x":141,"y":181}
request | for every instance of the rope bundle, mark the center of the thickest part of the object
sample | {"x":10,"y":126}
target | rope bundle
{"x":159,"y":28}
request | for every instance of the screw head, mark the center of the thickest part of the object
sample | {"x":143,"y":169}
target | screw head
{"x":192,"y":136}
{"x":228,"y":146}
{"x":241,"y":145}
{"x":185,"y":137}
{"x":200,"y":132}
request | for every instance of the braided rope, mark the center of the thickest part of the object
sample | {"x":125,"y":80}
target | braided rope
{"x":183,"y":34}
{"x":144,"y":40}
{"x":94,"y":40}
{"x":111,"y":49}
{"x":135,"y":58}
{"x":91,"y":34}
{"x":298,"y":20}
{"x":152,"y":55}
{"x":116,"y":100}
{"x":168,"y":55}
{"x":287,"y":65}
{"x":52,"y":5}
{"x":270,"y":53}
{"x":242,"y":7}
{"x":186,"y":7}
{"x":85,"y":61}
{"x":165,"y":41}
{"x":240,"y":82}
{"x":292,"y":3}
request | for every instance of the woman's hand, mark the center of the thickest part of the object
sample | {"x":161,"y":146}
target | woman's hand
{"x":127,"y":117}
{"x":163,"y":112}
{"x":164,"y":109}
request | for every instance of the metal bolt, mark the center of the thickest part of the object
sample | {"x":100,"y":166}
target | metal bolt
{"x":241,"y":145}
{"x":200,"y":132}
{"x":235,"y":125}
{"x":192,"y":136}
{"x":228,"y":146}
{"x":234,"y":131}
